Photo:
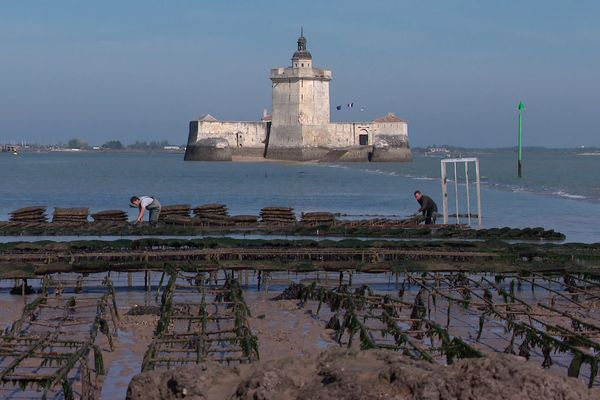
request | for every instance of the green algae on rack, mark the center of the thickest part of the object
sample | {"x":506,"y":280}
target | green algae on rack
{"x":340,"y":229}
{"x":28,"y":259}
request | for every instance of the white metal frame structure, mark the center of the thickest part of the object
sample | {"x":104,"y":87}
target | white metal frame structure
{"x":466,"y":162}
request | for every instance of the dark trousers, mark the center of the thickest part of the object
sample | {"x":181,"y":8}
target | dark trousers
{"x":430,"y":216}
{"x":153,"y":211}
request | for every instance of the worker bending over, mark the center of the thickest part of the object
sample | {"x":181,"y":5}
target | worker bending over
{"x":428,"y":207}
{"x":144,"y":203}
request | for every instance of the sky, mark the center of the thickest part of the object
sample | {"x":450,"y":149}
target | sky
{"x":455,"y":70}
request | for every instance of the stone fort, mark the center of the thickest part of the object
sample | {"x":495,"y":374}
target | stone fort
{"x":299,"y":127}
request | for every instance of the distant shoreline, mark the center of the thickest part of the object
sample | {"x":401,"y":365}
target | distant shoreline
{"x":418,"y":151}
{"x":91,"y":151}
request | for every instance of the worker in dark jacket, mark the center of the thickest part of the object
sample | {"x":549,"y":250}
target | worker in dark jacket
{"x":428,"y":207}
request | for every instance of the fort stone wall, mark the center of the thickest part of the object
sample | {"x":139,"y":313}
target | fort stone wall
{"x":227,"y":138}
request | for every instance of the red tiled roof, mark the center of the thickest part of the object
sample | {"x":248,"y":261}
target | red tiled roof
{"x":207,"y":117}
{"x":390,"y":117}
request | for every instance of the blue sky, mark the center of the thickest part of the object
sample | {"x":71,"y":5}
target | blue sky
{"x":140,"y":70}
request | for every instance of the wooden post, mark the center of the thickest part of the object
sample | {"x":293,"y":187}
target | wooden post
{"x":259,"y":280}
{"x":129,"y":279}
{"x":444,"y":192}
{"x":266,"y":280}
{"x":85,"y":382}
{"x":478,"y":191}
{"x":468,"y":194}
{"x":456,"y":192}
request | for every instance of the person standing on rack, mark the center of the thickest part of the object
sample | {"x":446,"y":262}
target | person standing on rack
{"x":144,"y":203}
{"x":428,"y":207}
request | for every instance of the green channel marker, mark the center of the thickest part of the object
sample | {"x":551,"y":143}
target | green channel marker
{"x":520,"y":107}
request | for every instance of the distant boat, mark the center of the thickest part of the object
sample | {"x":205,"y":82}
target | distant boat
{"x":10,"y":149}
{"x":437,"y":152}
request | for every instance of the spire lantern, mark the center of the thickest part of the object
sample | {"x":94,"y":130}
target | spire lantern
{"x":302,"y":57}
{"x":302,"y":41}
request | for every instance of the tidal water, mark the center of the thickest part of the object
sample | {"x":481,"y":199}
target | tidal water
{"x":558,"y":191}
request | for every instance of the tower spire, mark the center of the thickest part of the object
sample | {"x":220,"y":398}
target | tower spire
{"x":301,"y":53}
{"x":302,"y":41}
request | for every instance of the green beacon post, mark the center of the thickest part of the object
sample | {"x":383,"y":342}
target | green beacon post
{"x":520,"y":107}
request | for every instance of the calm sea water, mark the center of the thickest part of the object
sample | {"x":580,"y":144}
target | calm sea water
{"x":558,"y":191}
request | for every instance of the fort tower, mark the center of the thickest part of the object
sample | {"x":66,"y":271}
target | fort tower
{"x":300,"y":107}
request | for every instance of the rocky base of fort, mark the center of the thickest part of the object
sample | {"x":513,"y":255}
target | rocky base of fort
{"x":210,"y":149}
{"x":218,"y":149}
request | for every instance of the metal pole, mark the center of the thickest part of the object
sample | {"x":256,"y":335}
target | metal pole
{"x":444,"y":192}
{"x":478,"y":191}
{"x":456,"y":192}
{"x":520,"y":144}
{"x":468,"y":195}
{"x":520,"y":107}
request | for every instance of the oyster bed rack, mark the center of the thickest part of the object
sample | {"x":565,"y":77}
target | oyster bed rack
{"x":203,"y":318}
{"x":440,"y":317}
{"x":53,"y":350}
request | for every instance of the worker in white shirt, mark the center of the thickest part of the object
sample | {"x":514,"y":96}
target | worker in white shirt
{"x":144,"y":203}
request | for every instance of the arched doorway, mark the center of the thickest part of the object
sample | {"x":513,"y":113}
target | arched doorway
{"x":363,"y":137}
